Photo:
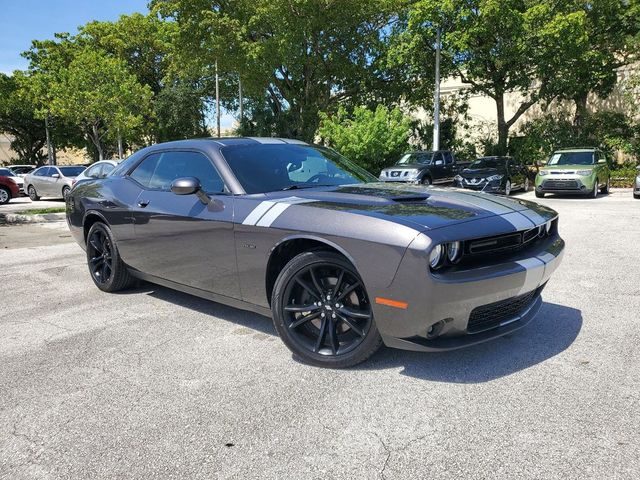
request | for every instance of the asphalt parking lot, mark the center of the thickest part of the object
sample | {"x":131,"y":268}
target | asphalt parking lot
{"x":153,"y":383}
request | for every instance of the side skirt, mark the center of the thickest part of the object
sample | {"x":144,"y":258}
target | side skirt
{"x":214,"y":297}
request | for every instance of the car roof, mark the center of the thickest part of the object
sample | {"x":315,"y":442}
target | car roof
{"x":577,"y":149}
{"x":225,"y":141}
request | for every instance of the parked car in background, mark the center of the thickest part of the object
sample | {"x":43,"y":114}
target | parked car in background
{"x":494,"y":175}
{"x":21,"y":170}
{"x":423,"y":167}
{"x":8,"y":186}
{"x":582,"y":171}
{"x":7,"y":172}
{"x":51,"y":181}
{"x":341,"y":262}
{"x":97,"y":170}
{"x":636,"y":185}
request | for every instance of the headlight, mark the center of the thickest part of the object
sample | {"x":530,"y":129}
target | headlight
{"x":457,"y":178}
{"x":413,"y":173}
{"x":454,"y":251}
{"x":584,"y":172}
{"x":436,"y":257}
{"x":542,"y":173}
{"x":494,"y":177}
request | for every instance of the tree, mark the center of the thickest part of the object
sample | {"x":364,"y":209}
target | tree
{"x":18,"y":119}
{"x":302,"y":57}
{"x":97,"y":92}
{"x":498,"y":47}
{"x":372,"y":139}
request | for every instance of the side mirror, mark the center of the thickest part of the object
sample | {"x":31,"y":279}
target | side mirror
{"x":638,"y":167}
{"x":602,"y":160}
{"x":55,"y":175}
{"x":189,"y":186}
{"x":439,"y":162}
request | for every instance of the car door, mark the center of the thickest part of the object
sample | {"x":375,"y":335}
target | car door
{"x":438,"y":172}
{"x":514,"y":173}
{"x":448,"y":166}
{"x":178,"y":237}
{"x":43,"y":184}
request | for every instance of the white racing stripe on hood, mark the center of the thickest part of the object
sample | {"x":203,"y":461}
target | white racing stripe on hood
{"x":519,"y":222}
{"x":476,"y":201}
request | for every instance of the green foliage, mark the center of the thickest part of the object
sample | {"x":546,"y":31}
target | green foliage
{"x":624,"y":176}
{"x":610,"y":131}
{"x":373,"y":139}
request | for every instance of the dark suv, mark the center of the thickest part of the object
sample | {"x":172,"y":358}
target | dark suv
{"x":424,"y":167}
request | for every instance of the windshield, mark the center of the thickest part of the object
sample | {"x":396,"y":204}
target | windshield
{"x":71,"y":171}
{"x":272,"y":167}
{"x":422,"y":157}
{"x":5,"y":172}
{"x":489,"y":163}
{"x":572,"y":158}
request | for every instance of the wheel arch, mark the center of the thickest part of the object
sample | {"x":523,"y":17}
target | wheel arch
{"x":89,"y":219}
{"x":291,"y":246}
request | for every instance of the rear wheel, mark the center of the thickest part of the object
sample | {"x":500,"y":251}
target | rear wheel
{"x":322,"y":312}
{"x":33,"y":195}
{"x":5,"y":195}
{"x":65,"y":191}
{"x":107,"y":270}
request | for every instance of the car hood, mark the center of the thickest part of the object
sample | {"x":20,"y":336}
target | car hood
{"x":481,"y":172}
{"x":567,"y":167}
{"x":422,"y":208}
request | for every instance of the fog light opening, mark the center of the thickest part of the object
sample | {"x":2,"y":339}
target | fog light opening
{"x":435,"y":330}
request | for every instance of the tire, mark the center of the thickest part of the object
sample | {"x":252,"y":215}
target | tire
{"x":525,"y":187}
{"x":65,"y":191}
{"x":426,"y":181}
{"x":5,"y":195}
{"x":106,"y":268}
{"x":338,"y":329}
{"x":33,"y":195}
{"x":539,"y":194}
{"x":636,"y":196}
{"x":507,"y":188}
{"x":607,"y":188}
{"x":594,"y":192}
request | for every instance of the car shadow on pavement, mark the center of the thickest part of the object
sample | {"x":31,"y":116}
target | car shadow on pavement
{"x":551,"y":332}
{"x":230,"y":314}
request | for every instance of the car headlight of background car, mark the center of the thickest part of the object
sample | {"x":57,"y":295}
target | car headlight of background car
{"x":584,"y":173}
{"x":413,"y":173}
{"x":458,"y":178}
{"x":542,"y":173}
{"x":494,"y":177}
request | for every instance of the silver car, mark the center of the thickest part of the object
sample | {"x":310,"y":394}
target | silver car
{"x":51,"y":181}
{"x":636,"y":185}
{"x":97,"y":170}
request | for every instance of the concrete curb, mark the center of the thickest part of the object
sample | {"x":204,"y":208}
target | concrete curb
{"x":11,"y":218}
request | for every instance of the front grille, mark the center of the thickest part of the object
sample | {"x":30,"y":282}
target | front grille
{"x":492,"y":315}
{"x":499,"y":243}
{"x":561,"y":185}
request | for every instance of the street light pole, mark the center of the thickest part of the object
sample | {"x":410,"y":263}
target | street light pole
{"x":217,"y":101}
{"x":436,"y":94}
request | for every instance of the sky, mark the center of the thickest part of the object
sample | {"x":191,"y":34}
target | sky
{"x":24,"y":20}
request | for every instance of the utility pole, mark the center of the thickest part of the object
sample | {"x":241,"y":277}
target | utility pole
{"x":217,"y":101}
{"x":49,"y":150}
{"x":240,"y":96}
{"x":436,"y":94}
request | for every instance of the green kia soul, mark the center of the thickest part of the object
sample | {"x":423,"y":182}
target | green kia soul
{"x":574,"y":171}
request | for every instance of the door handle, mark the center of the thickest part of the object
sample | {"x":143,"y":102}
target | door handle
{"x":143,"y":203}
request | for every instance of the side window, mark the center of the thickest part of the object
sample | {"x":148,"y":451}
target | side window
{"x":42,"y":172}
{"x":107,"y":168}
{"x":160,"y":169}
{"x":52,"y":171}
{"x":93,"y":172}
{"x":448,"y":158}
{"x":437,"y":157}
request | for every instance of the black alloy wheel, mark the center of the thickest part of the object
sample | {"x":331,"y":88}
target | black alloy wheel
{"x":322,"y":311}
{"x":107,"y":270}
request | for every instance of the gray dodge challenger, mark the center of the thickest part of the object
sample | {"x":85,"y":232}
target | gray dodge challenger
{"x":297,"y":232}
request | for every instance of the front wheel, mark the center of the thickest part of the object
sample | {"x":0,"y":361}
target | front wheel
{"x":5,"y":195}
{"x":539,"y":194}
{"x":594,"y":192}
{"x":607,"y":187}
{"x":526,"y":184}
{"x":33,"y":195}
{"x":107,"y":270}
{"x":426,"y":181}
{"x":322,"y":312}
{"x":65,"y":191}
{"x":507,"y":188}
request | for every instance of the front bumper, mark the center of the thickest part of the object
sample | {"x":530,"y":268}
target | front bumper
{"x":566,"y":184}
{"x":450,"y":300}
{"x":482,"y":186}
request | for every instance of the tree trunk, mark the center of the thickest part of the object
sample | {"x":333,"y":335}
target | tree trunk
{"x":95,"y":138}
{"x":581,"y":109}
{"x":50,"y":159}
{"x":503,"y":127}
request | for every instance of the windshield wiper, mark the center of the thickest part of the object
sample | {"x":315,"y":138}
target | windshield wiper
{"x":297,"y":187}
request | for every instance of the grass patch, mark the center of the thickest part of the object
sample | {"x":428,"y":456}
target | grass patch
{"x":41,"y":211}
